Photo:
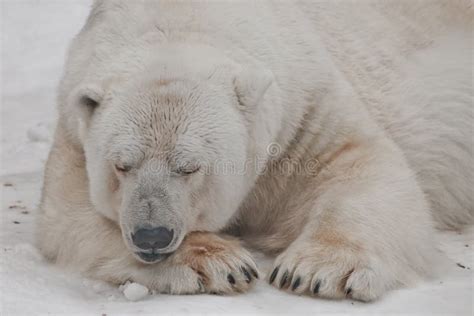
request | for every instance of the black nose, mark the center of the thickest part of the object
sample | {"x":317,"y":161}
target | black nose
{"x":154,"y":238}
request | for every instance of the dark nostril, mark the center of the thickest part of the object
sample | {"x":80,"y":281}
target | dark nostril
{"x":154,"y":238}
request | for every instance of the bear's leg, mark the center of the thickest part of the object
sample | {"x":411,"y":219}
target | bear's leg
{"x":204,"y":263}
{"x":368,"y":227}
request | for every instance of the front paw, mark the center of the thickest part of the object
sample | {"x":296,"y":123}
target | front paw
{"x":207,"y":263}
{"x":334,"y":270}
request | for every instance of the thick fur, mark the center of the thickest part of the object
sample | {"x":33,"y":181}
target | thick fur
{"x":347,"y":128}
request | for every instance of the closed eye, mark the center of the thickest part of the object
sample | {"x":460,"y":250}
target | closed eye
{"x":185,"y":171}
{"x":122,"y":168}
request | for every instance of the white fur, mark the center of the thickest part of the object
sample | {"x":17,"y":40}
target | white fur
{"x":375,"y":120}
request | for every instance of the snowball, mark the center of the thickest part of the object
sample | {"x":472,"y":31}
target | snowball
{"x":134,"y":291}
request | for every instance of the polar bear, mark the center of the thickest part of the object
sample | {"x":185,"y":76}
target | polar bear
{"x":187,"y":130}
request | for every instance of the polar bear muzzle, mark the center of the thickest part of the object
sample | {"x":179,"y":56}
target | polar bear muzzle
{"x":152,"y":240}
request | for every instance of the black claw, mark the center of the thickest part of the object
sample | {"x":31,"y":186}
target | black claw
{"x":296,"y":284}
{"x":231,"y":279}
{"x":284,"y":279}
{"x":274,"y":274}
{"x":348,"y":291}
{"x":254,"y":273}
{"x":316,"y":287}
{"x":248,"y":277}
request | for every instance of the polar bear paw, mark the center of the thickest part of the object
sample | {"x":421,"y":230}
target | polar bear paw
{"x":326,"y":271}
{"x":207,"y":263}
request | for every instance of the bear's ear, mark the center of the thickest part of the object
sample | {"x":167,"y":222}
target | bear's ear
{"x":87,"y":99}
{"x":251,"y":84}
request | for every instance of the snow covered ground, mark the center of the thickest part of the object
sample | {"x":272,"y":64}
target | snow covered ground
{"x":35,"y":34}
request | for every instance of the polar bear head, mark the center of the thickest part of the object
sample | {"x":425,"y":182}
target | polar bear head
{"x":167,"y":151}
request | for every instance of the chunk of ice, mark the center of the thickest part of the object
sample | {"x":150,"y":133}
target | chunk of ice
{"x":134,"y":291}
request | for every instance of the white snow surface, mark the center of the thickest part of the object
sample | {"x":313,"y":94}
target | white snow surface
{"x":35,"y":35}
